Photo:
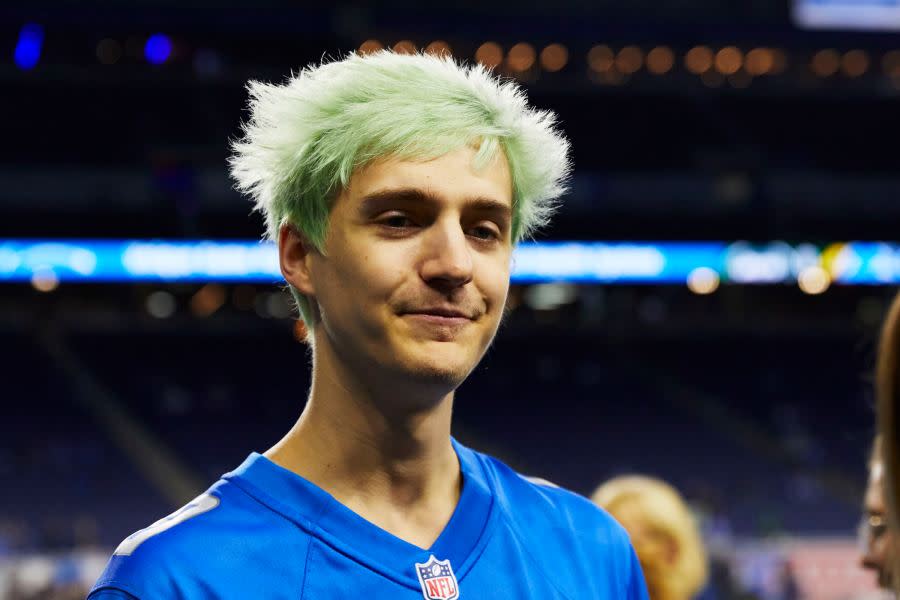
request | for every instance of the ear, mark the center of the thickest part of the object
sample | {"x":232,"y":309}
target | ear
{"x":295,"y":257}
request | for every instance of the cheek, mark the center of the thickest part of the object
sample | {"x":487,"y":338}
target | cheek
{"x":494,"y":282}
{"x":364,"y":280}
{"x":347,"y":266}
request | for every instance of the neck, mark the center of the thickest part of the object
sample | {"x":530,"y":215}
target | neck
{"x":374,"y":447}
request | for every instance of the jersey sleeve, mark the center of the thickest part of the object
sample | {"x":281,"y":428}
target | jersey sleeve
{"x":111,"y":594}
{"x":637,"y":586}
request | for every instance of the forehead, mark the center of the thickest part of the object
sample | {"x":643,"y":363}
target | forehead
{"x":452,"y":176}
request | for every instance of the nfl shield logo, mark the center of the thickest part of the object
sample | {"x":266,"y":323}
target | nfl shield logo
{"x":437,"y":579}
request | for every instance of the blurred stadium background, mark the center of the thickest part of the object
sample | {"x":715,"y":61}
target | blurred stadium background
{"x":704,"y":308}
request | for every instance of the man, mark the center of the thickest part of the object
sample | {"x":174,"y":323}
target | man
{"x":396,"y":187}
{"x":876,"y":540}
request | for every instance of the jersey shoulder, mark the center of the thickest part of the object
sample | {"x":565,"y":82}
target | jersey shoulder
{"x":537,"y":502}
{"x":110,"y":594}
{"x":214,"y":544}
{"x":565,"y":529}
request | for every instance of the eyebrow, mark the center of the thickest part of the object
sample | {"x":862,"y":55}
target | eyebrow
{"x":377,"y":200}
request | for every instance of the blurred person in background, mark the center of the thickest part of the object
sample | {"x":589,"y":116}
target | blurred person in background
{"x":876,"y":540}
{"x":396,"y":187}
{"x":887,"y":389}
{"x":663,"y":531}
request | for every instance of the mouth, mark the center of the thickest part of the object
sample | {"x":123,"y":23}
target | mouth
{"x":450,"y":313}
{"x":448,"y":319}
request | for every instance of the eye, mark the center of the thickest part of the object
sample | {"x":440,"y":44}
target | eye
{"x":396,"y":221}
{"x":485,"y":232}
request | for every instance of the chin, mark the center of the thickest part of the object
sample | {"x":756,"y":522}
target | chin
{"x":447,"y":369}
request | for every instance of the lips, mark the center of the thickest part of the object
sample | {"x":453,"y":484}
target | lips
{"x":445,"y":312}
{"x":440,"y":322}
{"x":438,"y":327}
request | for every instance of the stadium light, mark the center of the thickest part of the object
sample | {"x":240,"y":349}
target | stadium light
{"x":158,"y":49}
{"x":28,"y":46}
{"x":701,"y":265}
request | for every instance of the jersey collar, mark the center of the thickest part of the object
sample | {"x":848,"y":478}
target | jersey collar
{"x":321,"y":515}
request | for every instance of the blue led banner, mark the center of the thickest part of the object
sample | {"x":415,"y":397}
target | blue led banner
{"x":577,"y":262}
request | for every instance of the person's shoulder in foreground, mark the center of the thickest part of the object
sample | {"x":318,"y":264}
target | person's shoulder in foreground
{"x":578,"y":546}
{"x":263,"y":532}
{"x":221,"y":544}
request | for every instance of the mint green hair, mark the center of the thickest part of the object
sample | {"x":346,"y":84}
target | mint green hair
{"x":306,"y":137}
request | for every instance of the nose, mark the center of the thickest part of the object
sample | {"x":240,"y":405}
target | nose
{"x":447,"y":257}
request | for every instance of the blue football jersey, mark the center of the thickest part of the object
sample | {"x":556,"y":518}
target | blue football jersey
{"x":262,"y":531}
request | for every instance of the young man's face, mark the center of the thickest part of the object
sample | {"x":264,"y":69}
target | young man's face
{"x":875,"y":536}
{"x":415,"y":272}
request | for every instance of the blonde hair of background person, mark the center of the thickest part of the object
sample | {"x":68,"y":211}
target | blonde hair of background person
{"x":887,"y":389}
{"x":663,"y":532}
